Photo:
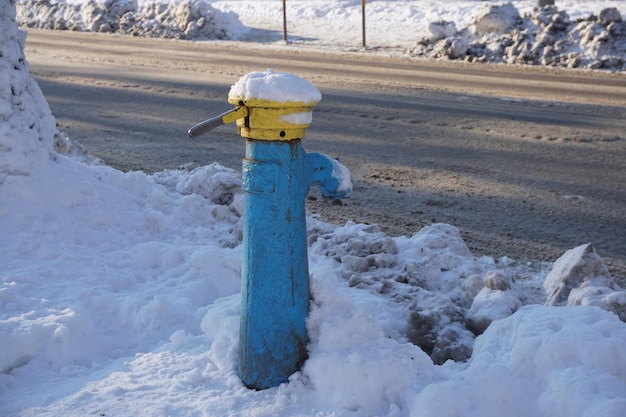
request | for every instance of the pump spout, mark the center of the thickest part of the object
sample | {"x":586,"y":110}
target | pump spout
{"x":224,"y":118}
{"x":330,"y":176}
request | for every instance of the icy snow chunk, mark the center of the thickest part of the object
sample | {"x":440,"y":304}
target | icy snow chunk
{"x":221,"y":320}
{"x":441,"y":29}
{"x":442,"y":244}
{"x":360,"y":249}
{"x":497,"y":281}
{"x":498,"y":299}
{"x":604,"y":297}
{"x":179,"y":338}
{"x":470,"y":287}
{"x":443,"y":258}
{"x":569,"y":271}
{"x":354,"y":263}
{"x":494,"y":19}
{"x":610,"y":15}
{"x":580,"y":278}
{"x":280,"y":87}
{"x":437,"y":326}
{"x":456,"y":47}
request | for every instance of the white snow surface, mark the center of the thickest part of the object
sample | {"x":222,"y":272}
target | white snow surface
{"x":119,"y":296}
{"x":393,"y":27}
{"x":279,"y":87}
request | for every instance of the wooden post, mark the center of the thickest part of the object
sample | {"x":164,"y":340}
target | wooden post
{"x":285,"y":21}
{"x":363,"y":23}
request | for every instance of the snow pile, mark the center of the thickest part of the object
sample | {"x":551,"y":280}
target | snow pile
{"x":28,"y":135}
{"x":590,"y":35}
{"x":427,"y":272}
{"x":75,"y":235}
{"x":545,"y":36}
{"x":182,"y":19}
{"x":119,"y":295}
{"x":530,"y":365}
{"x":450,"y":296}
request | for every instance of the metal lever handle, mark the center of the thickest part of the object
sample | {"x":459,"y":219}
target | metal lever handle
{"x":204,"y":127}
{"x":210,"y":124}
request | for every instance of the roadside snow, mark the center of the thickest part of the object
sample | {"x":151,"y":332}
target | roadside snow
{"x":579,"y":34}
{"x":182,"y":19}
{"x":546,"y":36}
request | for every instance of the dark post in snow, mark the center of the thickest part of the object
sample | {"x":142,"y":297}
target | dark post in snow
{"x":363,"y":17}
{"x":285,"y":21}
{"x":541,"y":3}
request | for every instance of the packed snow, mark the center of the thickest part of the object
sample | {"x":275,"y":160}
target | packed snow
{"x":119,"y":296}
{"x":274,"y":86}
{"x":573,"y":33}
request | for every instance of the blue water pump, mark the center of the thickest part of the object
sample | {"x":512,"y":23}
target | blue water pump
{"x":272,"y":112}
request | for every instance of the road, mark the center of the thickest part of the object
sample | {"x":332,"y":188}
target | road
{"x":526,"y":162}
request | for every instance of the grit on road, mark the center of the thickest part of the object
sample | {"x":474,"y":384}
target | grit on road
{"x":527,"y":162}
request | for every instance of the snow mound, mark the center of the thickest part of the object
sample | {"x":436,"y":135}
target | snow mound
{"x":433,"y":273}
{"x":181,"y":19}
{"x":450,"y":295}
{"x":28,"y":134}
{"x":535,"y":363}
{"x":545,"y":36}
{"x":78,"y":222}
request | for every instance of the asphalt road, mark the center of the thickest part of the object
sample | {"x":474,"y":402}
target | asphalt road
{"x":526,"y":162}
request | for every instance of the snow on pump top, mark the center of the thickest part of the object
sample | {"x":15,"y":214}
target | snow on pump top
{"x":275,"y":88}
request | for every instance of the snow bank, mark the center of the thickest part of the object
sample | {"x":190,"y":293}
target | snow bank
{"x":433,"y":273}
{"x":28,"y":135}
{"x":593,"y":37}
{"x":545,"y":36}
{"x":182,"y":19}
{"x":535,"y":363}
{"x":75,"y":234}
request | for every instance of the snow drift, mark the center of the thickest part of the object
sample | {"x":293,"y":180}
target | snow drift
{"x":594,"y":39}
{"x":181,"y":19}
{"x":545,"y":36}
